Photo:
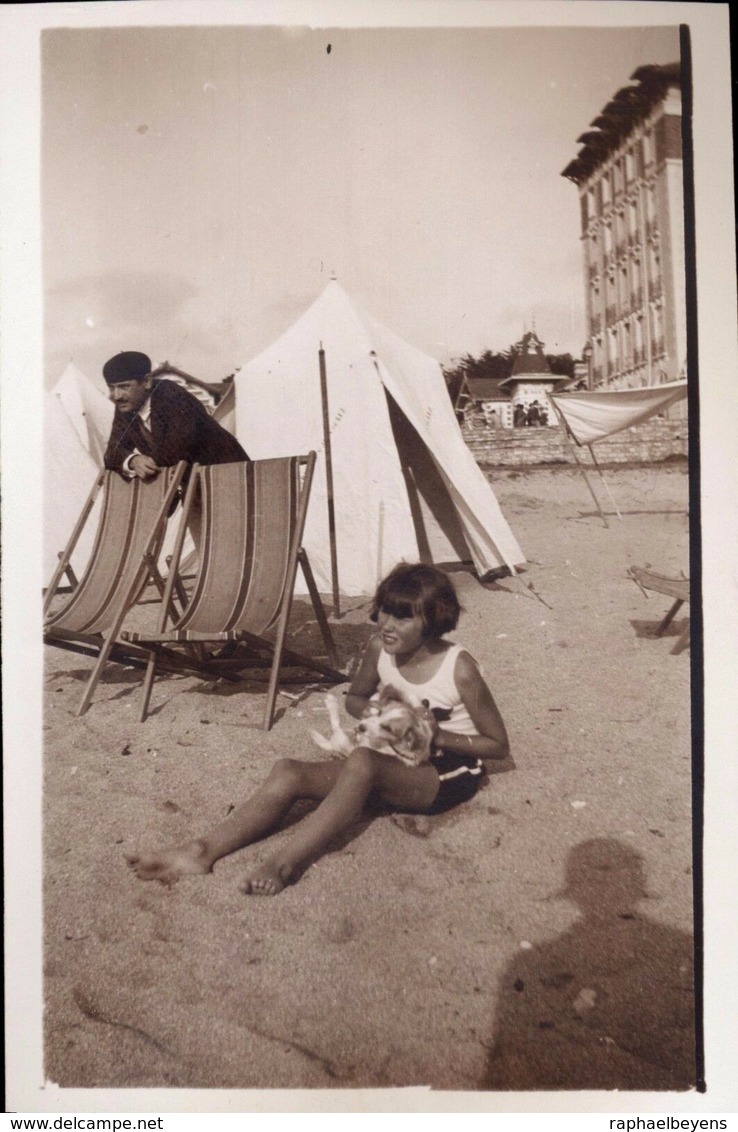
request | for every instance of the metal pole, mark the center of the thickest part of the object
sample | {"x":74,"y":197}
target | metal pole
{"x":329,"y":480}
{"x":604,"y":481}
{"x":578,"y":462}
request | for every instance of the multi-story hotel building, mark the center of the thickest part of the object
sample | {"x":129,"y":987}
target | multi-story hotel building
{"x":629,"y":176}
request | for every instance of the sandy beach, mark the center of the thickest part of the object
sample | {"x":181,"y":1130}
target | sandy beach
{"x":538,"y":937}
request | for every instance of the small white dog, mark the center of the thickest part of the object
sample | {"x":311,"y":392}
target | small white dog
{"x":393,"y":726}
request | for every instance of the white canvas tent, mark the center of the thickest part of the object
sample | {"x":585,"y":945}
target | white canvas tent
{"x":77,"y":419}
{"x":89,"y":410}
{"x":405,"y":484}
{"x":591,"y":416}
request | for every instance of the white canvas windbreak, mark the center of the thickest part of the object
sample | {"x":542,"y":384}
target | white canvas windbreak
{"x":405,"y":484}
{"x":593,"y":416}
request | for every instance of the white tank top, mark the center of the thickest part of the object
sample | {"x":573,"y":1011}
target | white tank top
{"x":440,"y":691}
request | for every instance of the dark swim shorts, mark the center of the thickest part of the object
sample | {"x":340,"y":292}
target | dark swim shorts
{"x":461,"y":777}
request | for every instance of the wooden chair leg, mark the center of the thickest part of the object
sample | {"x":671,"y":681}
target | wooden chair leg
{"x":72,"y":577}
{"x":274,"y":677}
{"x":321,"y":618}
{"x":96,"y":672}
{"x":148,"y":685}
{"x":669,"y":617}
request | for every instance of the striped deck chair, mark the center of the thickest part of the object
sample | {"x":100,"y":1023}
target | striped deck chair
{"x":252,"y":521}
{"x":122,"y":562}
{"x":678,"y":588}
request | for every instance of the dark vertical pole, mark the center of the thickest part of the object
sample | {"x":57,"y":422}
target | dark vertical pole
{"x":329,"y":480}
{"x":697,"y":673}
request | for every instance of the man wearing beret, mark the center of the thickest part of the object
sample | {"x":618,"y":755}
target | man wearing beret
{"x":158,"y":423}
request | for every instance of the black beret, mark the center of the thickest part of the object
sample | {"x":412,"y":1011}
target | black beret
{"x":127,"y":366}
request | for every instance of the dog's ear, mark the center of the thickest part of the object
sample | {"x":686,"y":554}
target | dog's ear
{"x":389,"y":693}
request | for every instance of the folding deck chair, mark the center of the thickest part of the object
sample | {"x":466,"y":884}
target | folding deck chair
{"x":123,"y":560}
{"x":678,"y":588}
{"x":253,"y":517}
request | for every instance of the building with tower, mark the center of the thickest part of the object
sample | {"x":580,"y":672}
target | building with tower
{"x":531,"y":380}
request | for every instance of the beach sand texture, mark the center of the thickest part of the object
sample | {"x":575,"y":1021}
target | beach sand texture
{"x":537,"y":937}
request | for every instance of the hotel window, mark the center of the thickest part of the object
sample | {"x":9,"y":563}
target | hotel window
{"x":632,"y":219}
{"x":606,"y":191}
{"x":654,"y":269}
{"x":629,"y":167}
{"x":647,"y":149}
{"x":612,"y":347}
{"x":607,"y":238}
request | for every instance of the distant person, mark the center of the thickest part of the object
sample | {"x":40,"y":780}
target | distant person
{"x":493,"y":419}
{"x":414,"y":607}
{"x":157,"y":423}
{"x":543,"y":416}
{"x":519,"y":416}
{"x":532,"y":417}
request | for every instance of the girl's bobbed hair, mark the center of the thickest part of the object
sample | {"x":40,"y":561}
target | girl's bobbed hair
{"x":414,"y":589}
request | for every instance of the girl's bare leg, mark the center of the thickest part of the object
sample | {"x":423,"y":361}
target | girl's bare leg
{"x":288,"y":781}
{"x":364,"y":772}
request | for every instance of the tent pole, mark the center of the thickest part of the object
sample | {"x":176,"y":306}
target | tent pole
{"x":579,"y":464}
{"x":607,"y":487}
{"x":329,"y":480}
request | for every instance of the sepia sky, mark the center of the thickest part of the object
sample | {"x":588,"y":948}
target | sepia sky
{"x":200,"y":184}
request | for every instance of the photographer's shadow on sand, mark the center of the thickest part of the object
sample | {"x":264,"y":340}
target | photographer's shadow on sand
{"x":609,"y":1004}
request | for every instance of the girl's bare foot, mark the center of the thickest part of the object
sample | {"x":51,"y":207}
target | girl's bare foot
{"x":169,"y":865}
{"x":267,"y":879}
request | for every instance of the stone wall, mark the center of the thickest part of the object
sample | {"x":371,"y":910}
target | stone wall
{"x":651,"y":442}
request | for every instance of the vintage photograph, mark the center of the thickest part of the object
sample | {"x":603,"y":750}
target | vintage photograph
{"x":371,"y":558}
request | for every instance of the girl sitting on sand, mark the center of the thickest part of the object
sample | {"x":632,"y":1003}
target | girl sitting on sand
{"x":413,"y":607}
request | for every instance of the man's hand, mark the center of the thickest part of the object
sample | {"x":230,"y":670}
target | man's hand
{"x":144,"y":467}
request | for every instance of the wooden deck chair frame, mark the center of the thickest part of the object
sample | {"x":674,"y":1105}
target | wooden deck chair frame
{"x":678,"y":588}
{"x":95,"y":632}
{"x":259,"y":653}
